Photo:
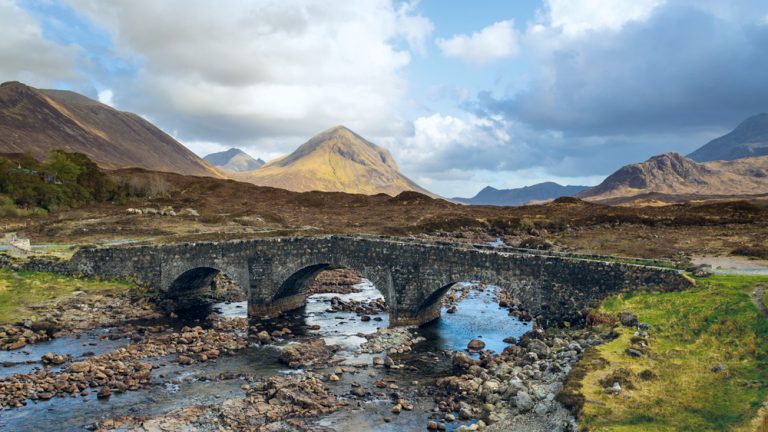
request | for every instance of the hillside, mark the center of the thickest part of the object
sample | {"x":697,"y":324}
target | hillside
{"x":673,"y":174}
{"x":519,"y":196}
{"x":335,"y":160}
{"x":233,"y":161}
{"x":38,"y":121}
{"x":749,"y":139}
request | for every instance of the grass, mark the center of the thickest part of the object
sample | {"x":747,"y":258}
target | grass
{"x":692,"y":331}
{"x":25,"y":295}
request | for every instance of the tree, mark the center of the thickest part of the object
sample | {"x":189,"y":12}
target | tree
{"x":62,"y":168}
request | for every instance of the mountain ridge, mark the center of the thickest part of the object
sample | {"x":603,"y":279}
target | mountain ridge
{"x":674,"y":174}
{"x":38,"y":121}
{"x":233,"y":160}
{"x":748,"y":139}
{"x":335,"y":160}
{"x":519,"y":196}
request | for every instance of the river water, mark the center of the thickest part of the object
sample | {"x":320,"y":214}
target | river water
{"x":478,"y":316}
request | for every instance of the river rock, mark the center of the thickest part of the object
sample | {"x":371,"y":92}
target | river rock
{"x":307,"y":353}
{"x":461,"y":361}
{"x":358,"y":391}
{"x":79,"y":367}
{"x":539,"y":347}
{"x":104,"y":393}
{"x":475,"y":345}
{"x":523,"y":401}
{"x":264,"y":337}
{"x":388,"y":362}
{"x":54,"y":359}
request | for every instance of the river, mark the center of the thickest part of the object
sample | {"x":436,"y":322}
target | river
{"x":176,"y":386}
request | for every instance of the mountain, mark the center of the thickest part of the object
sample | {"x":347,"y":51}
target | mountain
{"x":335,"y":160}
{"x":233,"y":161}
{"x":38,"y":121}
{"x":673,"y":174}
{"x":750,"y":138}
{"x":510,"y":197}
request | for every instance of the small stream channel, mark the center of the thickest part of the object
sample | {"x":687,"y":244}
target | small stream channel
{"x":478,"y":316}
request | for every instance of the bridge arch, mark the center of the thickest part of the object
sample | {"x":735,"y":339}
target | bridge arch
{"x":439,"y":279}
{"x":194,"y":286}
{"x":294,"y":282}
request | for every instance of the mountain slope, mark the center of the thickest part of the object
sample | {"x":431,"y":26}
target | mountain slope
{"x":39,"y":121}
{"x":233,"y":161}
{"x":510,"y":197}
{"x":673,"y":174}
{"x":750,"y":138}
{"x":335,"y":160}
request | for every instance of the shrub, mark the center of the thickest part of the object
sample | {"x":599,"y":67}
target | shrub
{"x":67,"y":180}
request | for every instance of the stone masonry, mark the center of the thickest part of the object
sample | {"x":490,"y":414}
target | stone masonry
{"x":411,"y":275}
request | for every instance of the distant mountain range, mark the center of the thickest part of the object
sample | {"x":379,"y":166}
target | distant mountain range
{"x":335,"y":160}
{"x":518,"y":196}
{"x":673,"y":174}
{"x":735,"y":164}
{"x":749,"y":139}
{"x":38,"y":121}
{"x":233,"y":161}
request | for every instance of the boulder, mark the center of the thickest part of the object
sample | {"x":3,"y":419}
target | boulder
{"x":79,"y":367}
{"x":264,"y":337}
{"x":461,"y":361}
{"x":475,"y":345}
{"x":539,"y":347}
{"x":523,"y":401}
{"x":628,"y":319}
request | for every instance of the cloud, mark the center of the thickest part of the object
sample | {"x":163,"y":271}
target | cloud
{"x":27,"y":55}
{"x":574,"y":17}
{"x":246,"y":70}
{"x":497,"y":41}
{"x":414,"y":27}
{"x":105,"y":97}
{"x":683,"y":67}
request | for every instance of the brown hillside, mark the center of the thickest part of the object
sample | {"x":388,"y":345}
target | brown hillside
{"x":335,"y":160}
{"x":38,"y":121}
{"x":672,"y":174}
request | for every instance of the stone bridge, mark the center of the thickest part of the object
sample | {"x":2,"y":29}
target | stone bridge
{"x":412,"y":276}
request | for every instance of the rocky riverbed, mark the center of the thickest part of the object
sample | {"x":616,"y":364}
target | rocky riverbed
{"x":334,"y":365}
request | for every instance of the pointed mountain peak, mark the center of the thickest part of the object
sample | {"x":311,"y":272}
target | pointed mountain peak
{"x":233,"y":160}
{"x":338,"y":129}
{"x":336,"y":159}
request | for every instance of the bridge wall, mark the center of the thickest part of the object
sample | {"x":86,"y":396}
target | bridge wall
{"x":412,"y":276}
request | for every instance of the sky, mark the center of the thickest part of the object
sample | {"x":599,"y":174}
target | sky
{"x":464,"y":94}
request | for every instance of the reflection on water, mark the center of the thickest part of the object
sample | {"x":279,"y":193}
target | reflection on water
{"x":478,"y":317}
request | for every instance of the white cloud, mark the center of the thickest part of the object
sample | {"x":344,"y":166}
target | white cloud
{"x":414,"y":27}
{"x":105,"y":97}
{"x":249,"y":69}
{"x":497,"y":41}
{"x":577,"y":16}
{"x":25,"y":54}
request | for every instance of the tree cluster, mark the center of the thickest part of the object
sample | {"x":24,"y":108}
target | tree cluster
{"x":66,"y":180}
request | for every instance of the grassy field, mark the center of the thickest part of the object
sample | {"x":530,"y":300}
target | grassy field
{"x":673,"y":386}
{"x":24,"y":295}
